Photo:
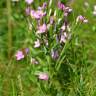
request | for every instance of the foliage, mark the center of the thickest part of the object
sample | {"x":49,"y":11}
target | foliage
{"x":69,"y":64}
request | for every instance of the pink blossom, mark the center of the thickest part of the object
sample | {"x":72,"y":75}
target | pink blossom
{"x":34,"y":61}
{"x":81,"y":19}
{"x":61,"y":5}
{"x":43,"y":76}
{"x":37,"y":43}
{"x":27,"y":10}
{"x":52,"y":19}
{"x":63,"y":27}
{"x":27,"y":50}
{"x":70,"y":10}
{"x":41,"y":13}
{"x":42,"y":29}
{"x":43,"y":6}
{"x":54,"y":54}
{"x":40,"y":8}
{"x":85,"y":21}
{"x":34,"y":15}
{"x":65,"y":14}
{"x":63,"y":37}
{"x":37,"y":14}
{"x":19,"y":55}
{"x":66,"y":10}
{"x":29,"y":1}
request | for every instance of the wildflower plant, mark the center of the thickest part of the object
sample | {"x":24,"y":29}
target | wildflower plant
{"x":51,"y":47}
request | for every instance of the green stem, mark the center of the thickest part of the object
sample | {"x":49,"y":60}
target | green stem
{"x":13,"y":89}
{"x":20,"y":86}
{"x":60,"y":59}
{"x":60,"y":56}
{"x":9,"y":28}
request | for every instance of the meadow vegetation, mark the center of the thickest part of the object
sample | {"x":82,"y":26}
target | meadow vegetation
{"x":47,"y":48}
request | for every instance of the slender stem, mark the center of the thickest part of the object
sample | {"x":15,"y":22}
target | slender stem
{"x":58,"y":63}
{"x":13,"y":89}
{"x":9,"y":28}
{"x":20,"y":85}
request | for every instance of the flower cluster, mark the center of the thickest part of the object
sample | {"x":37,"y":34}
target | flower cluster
{"x":42,"y":29}
{"x":49,"y":28}
{"x":66,"y":9}
{"x":37,"y":14}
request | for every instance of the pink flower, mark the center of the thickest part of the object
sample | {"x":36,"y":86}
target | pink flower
{"x":63,"y":38}
{"x":27,"y":10}
{"x":42,"y":29}
{"x":40,"y":8}
{"x":26,"y":50}
{"x":41,"y":13}
{"x":29,"y":1}
{"x":34,"y":61}
{"x":85,"y":21}
{"x":43,"y":76}
{"x":37,"y":14}
{"x":19,"y":55}
{"x":43,"y":6}
{"x":65,"y":14}
{"x":63,"y":28}
{"x":66,"y":10}
{"x":54,"y":54}
{"x":61,"y":5}
{"x":37,"y":44}
{"x":81,"y":19}
{"x":52,"y":19}
{"x":34,"y":14}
